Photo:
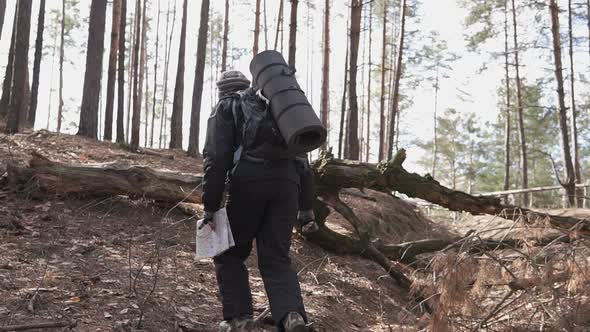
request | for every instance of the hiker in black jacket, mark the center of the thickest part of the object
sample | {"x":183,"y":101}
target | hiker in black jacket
{"x":262,"y":204}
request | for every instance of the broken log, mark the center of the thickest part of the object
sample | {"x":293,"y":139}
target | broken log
{"x":115,"y":178}
{"x":333,"y":174}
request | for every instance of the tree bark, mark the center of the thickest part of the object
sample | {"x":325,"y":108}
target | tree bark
{"x":193,"y":145}
{"x":520,"y":110}
{"x":383,"y":122}
{"x":507,"y":130}
{"x":573,"y":111}
{"x":368,"y":134}
{"x":155,"y":79}
{"x":115,"y":178}
{"x":398,"y":75}
{"x":570,"y":183}
{"x":7,"y":84}
{"x":325,"y":97}
{"x":265,"y":26}
{"x":256,"y":28}
{"x":343,"y":102}
{"x":17,"y":112}
{"x":146,"y":95}
{"x":121,"y":75}
{"x":435,"y":139}
{"x":2,"y":14}
{"x":131,"y":74}
{"x":293,"y":33}
{"x":280,"y":19}
{"x":112,"y":71}
{"x":61,"y":66}
{"x":50,"y":103}
{"x":37,"y":64}
{"x":89,"y":109}
{"x":168,"y":47}
{"x":225,"y":37}
{"x":355,"y":30}
{"x":139,"y":70}
{"x":177,"y":106}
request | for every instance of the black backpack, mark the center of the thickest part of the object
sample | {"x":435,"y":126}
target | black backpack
{"x":256,"y":130}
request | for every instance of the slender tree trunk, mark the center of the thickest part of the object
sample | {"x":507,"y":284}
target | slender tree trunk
{"x":507,"y":131}
{"x":61,"y":66}
{"x":225,"y":38}
{"x":50,"y":104}
{"x":392,"y":70}
{"x":520,"y":111}
{"x":142,"y":71}
{"x":398,"y":75}
{"x":112,"y":71}
{"x":293,"y":33}
{"x":280,"y":19}
{"x":435,"y":140}
{"x":383,"y":122}
{"x":193,"y":146}
{"x":92,"y":78}
{"x":588,"y":21}
{"x":355,"y":30}
{"x":343,"y":102}
{"x":7,"y":84}
{"x":137,"y":76}
{"x":368,"y":134}
{"x":37,"y":64}
{"x":121,"y":74}
{"x":265,"y":26}
{"x":397,"y":121}
{"x":256,"y":28}
{"x":155,"y":79}
{"x":17,"y":111}
{"x":176,"y":122}
{"x":131,"y":74}
{"x":2,"y":14}
{"x":211,"y":70}
{"x":569,"y":184}
{"x":168,"y":48}
{"x":573,"y":111}
{"x":147,"y":100}
{"x":325,"y":104}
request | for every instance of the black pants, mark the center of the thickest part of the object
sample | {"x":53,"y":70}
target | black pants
{"x":265,"y":211}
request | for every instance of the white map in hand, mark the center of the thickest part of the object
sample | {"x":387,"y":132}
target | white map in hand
{"x":211,"y":243}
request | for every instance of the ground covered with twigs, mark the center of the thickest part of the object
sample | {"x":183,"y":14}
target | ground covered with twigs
{"x":114,"y":263}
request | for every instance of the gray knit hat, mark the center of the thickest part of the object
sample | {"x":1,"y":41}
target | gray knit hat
{"x":231,"y":81}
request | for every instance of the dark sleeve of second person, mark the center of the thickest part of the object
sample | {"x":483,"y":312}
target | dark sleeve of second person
{"x":218,"y":154}
{"x":306,"y":179}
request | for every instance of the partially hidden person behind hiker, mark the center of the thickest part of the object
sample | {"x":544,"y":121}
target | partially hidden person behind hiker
{"x":244,"y":147}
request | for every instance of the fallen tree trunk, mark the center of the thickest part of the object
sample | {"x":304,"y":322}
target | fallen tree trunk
{"x":391,"y":176}
{"x":332,"y":175}
{"x":107,"y":179}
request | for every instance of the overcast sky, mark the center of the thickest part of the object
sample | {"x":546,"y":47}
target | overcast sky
{"x":443,"y":16}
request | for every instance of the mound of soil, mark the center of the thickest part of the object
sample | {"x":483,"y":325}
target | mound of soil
{"x":106,"y":262}
{"x":389,"y":218}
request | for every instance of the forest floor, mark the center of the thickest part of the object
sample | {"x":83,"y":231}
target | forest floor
{"x":95,"y":261}
{"x":109,"y":263}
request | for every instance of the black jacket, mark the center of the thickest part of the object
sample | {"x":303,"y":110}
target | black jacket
{"x":222,"y":140}
{"x":220,"y":144}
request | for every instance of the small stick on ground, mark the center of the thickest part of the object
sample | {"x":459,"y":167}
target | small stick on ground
{"x":41,"y":325}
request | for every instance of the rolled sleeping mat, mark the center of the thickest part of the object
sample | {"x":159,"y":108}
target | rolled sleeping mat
{"x":299,"y":124}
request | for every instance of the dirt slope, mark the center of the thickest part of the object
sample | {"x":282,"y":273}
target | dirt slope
{"x":94,"y":260}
